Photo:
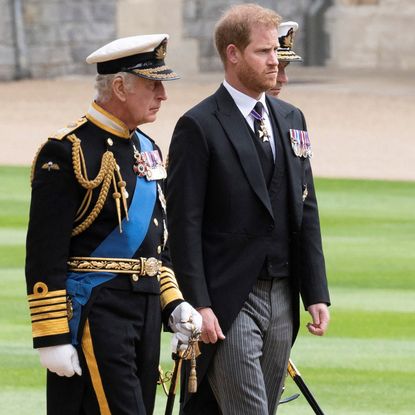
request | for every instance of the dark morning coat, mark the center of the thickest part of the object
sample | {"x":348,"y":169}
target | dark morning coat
{"x":221,"y":220}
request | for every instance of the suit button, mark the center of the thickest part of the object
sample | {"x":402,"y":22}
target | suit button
{"x":156,"y":222}
{"x":159,"y":249}
{"x":134,"y":277}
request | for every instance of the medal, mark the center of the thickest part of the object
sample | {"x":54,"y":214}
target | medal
{"x":148,"y":164}
{"x":309,"y":152}
{"x":300,"y":143}
{"x":140,"y":168}
{"x":305,"y":192}
{"x":262,"y":131}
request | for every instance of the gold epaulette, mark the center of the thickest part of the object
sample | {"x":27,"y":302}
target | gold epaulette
{"x":169,"y":289}
{"x":63,"y":132}
{"x":59,"y":135}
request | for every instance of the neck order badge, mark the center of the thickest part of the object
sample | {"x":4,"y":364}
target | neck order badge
{"x":259,"y":125}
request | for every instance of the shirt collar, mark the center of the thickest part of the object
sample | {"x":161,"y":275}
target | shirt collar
{"x":103,"y":119}
{"x":244,"y":102}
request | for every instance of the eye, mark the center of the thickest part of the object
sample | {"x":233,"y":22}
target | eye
{"x":153,"y":85}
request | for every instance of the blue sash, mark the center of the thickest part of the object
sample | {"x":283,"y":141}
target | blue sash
{"x":116,"y":245}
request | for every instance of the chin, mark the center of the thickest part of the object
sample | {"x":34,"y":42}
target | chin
{"x":269,"y":87}
{"x":148,"y":119}
{"x":273,"y":93}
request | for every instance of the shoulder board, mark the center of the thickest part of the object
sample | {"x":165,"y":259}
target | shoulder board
{"x":63,"y":132}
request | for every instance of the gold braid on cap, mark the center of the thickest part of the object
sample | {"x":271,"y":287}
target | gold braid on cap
{"x":107,"y":174}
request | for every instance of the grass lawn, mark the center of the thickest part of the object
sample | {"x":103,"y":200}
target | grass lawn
{"x":365,"y":364}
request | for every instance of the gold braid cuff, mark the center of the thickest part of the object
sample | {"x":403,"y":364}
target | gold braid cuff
{"x":169,"y":289}
{"x":48,"y":311}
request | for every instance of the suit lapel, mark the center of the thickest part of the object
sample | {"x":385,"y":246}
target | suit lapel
{"x":283,"y":121}
{"x":237,"y":131}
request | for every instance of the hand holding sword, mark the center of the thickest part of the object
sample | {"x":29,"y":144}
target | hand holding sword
{"x":184,"y":347}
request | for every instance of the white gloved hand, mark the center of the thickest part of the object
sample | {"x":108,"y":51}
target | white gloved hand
{"x":62,"y":360}
{"x":185,"y":319}
{"x":179,"y":342}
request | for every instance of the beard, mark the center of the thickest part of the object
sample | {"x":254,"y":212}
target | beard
{"x":254,"y":80}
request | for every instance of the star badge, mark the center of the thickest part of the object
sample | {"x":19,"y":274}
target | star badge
{"x":263,"y":133}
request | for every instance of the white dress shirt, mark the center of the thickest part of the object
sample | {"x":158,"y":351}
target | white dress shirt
{"x":246,"y":104}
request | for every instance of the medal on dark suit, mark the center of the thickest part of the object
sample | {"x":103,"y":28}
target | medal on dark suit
{"x":300,"y":143}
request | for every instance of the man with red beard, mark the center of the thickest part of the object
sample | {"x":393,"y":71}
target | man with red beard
{"x":243,"y":223}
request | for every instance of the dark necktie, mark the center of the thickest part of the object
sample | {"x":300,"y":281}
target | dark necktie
{"x":261,"y":131}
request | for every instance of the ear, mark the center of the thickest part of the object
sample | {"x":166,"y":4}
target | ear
{"x":118,"y":88}
{"x":233,"y":54}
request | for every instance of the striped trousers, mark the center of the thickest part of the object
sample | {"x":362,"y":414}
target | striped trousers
{"x":248,"y":370}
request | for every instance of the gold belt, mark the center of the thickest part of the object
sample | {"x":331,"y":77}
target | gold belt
{"x":142,"y":266}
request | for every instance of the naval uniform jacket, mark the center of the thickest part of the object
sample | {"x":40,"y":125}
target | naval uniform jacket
{"x":114,"y":319}
{"x":221,"y":221}
{"x":56,"y":197}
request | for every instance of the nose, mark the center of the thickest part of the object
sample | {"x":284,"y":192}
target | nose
{"x":274,"y":58}
{"x":161,"y":91}
{"x":282,"y":77}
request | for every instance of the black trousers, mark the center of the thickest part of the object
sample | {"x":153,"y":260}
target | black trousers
{"x":119,"y":355}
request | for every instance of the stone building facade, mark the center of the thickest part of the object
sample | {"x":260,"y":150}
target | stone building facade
{"x":376,"y":34}
{"x":200,"y":17}
{"x":47,"y":38}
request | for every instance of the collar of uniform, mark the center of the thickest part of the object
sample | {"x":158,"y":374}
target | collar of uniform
{"x":107,"y":121}
{"x":244,"y":102}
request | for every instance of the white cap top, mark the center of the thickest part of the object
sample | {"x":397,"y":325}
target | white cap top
{"x":284,"y":27}
{"x":141,"y":55}
{"x":286,"y":31}
{"x":126,"y":46}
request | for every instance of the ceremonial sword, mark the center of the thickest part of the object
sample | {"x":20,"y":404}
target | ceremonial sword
{"x":190,"y":353}
{"x":296,"y":376}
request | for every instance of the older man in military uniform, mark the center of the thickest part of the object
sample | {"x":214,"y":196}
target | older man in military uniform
{"x":98,"y":273}
{"x":285,"y":54}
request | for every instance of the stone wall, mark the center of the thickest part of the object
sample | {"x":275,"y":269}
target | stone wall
{"x":375,"y":34}
{"x":200,"y":17}
{"x":57,"y":34}
{"x":54,"y":36}
{"x":137,"y":17}
{"x":7,"y":50}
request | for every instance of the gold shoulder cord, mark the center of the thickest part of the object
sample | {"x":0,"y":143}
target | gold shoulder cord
{"x":107,"y":174}
{"x":32,"y":170}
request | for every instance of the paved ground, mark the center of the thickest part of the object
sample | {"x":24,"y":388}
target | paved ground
{"x":362,"y":124}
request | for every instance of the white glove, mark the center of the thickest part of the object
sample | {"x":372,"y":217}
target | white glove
{"x":179,"y":342}
{"x":62,"y":360}
{"x":185,"y":319}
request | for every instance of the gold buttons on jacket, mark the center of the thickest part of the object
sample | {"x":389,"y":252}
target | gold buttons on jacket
{"x":156,"y":222}
{"x":135,"y":277}
{"x":159,"y":249}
